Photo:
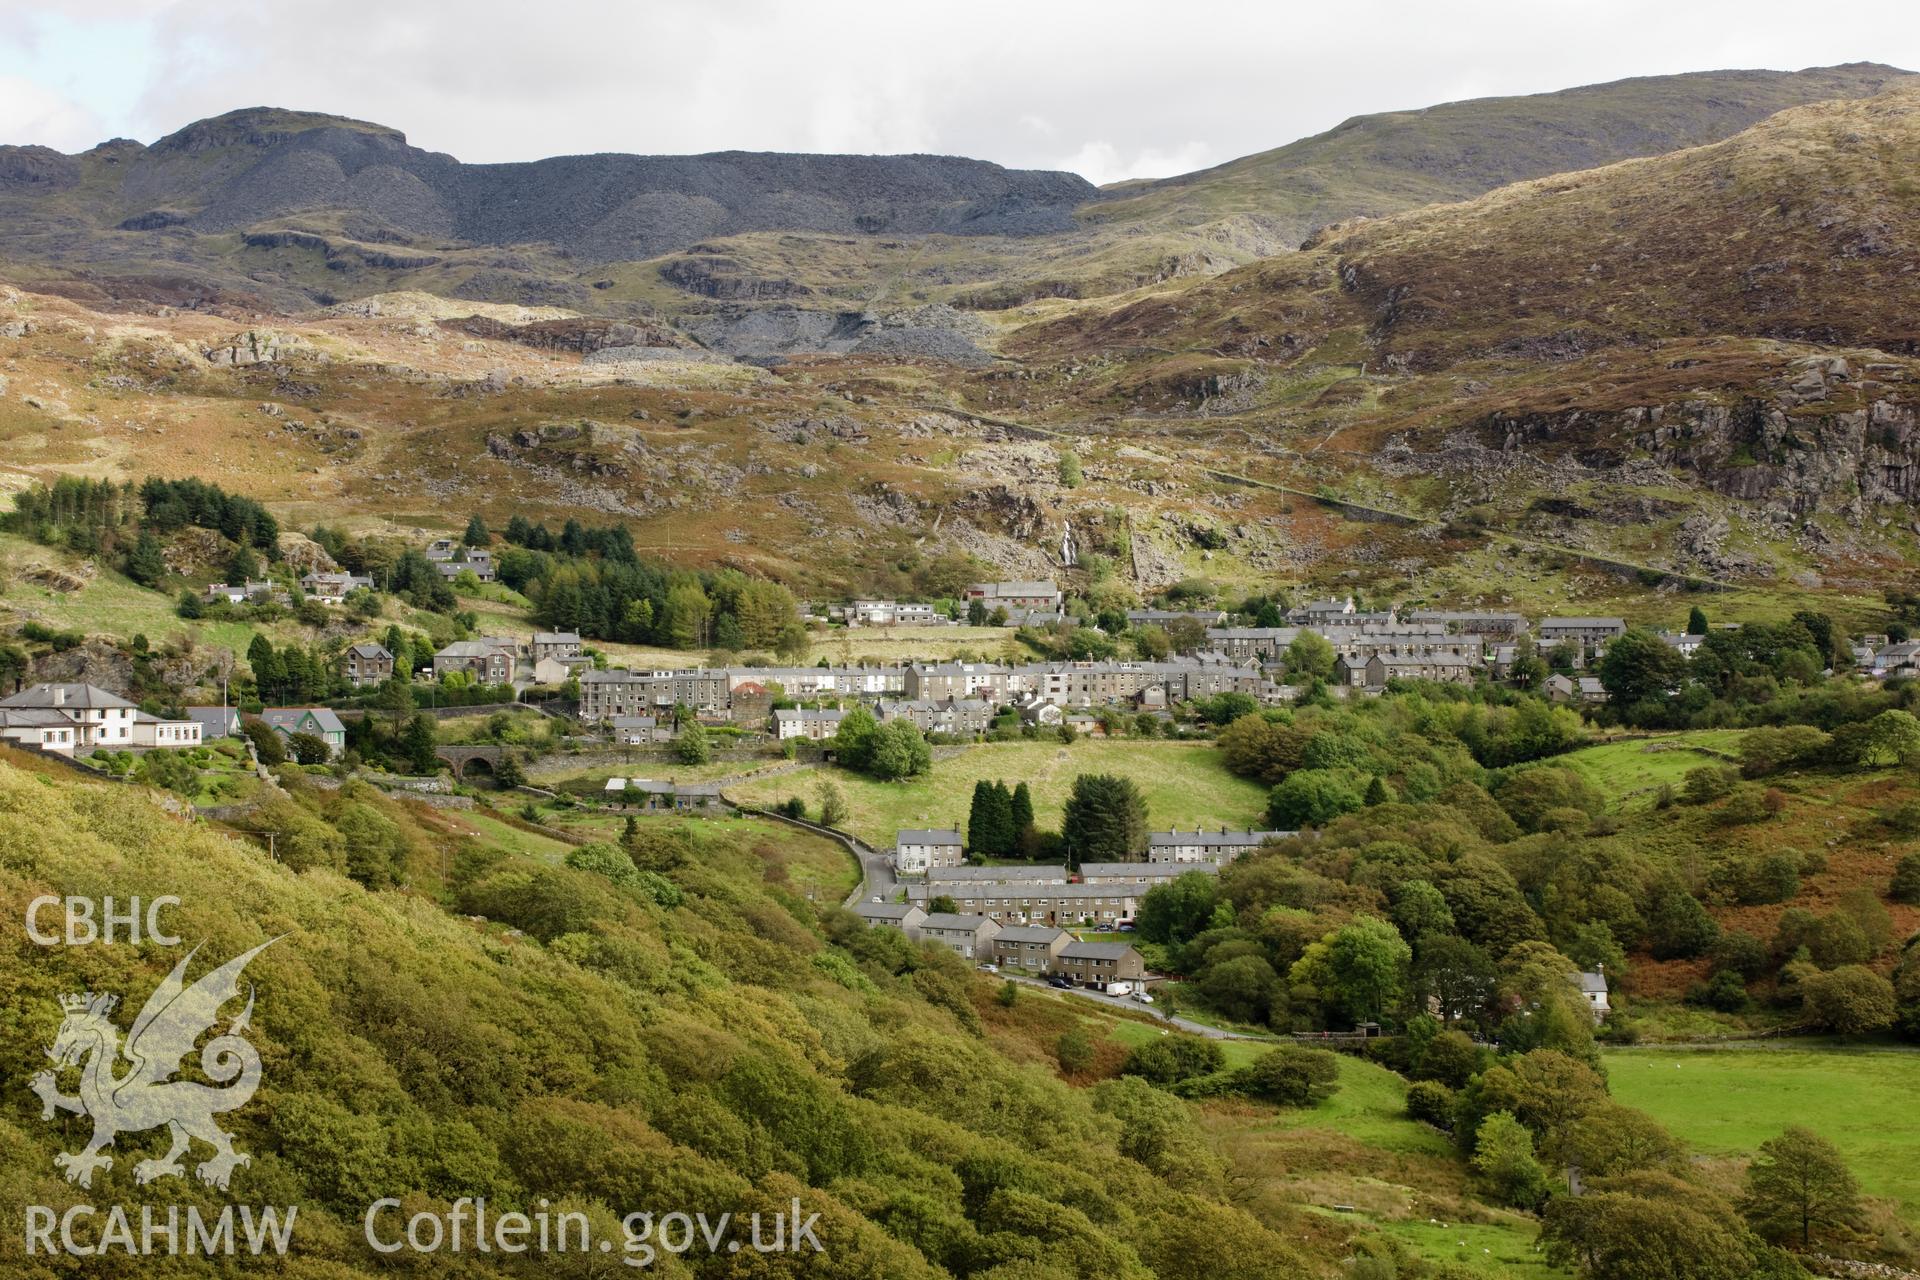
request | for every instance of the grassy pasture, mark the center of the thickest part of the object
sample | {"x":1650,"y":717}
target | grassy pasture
{"x":1727,"y":1101}
{"x":1184,"y":783}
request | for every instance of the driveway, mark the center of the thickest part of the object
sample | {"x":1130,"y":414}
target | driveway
{"x":1128,"y":1002}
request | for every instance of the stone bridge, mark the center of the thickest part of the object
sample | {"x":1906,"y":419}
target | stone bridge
{"x":459,"y":759}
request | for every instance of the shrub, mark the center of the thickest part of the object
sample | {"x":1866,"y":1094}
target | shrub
{"x":268,"y":745}
{"x":1677,"y":925}
{"x":1902,"y":819}
{"x":1773,"y":877}
{"x":1503,"y":1155}
{"x":1708,"y":783}
{"x":1724,"y":991}
{"x":1074,"y":1052}
{"x":1740,"y":953}
{"x":1431,"y":1102}
{"x":1173,"y":1058}
{"x":1906,"y":880}
{"x":1747,"y":804}
{"x":1849,"y":1000}
{"x":1290,"y":1076}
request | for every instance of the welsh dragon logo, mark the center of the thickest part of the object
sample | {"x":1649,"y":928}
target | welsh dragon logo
{"x":145,"y":1096}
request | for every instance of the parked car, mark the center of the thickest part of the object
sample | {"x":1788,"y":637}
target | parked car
{"x":1143,"y":997}
{"x":990,"y":967}
{"x":1060,"y":982}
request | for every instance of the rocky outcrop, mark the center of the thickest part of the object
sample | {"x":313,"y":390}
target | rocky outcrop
{"x":255,"y":346}
{"x":1823,"y":439}
{"x":305,"y":555}
{"x":576,"y":334}
{"x":100,"y":663}
{"x":933,"y":332}
{"x":654,"y":355}
{"x":727,"y":280}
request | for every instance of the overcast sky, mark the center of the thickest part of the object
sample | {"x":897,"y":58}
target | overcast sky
{"x":1111,"y":90}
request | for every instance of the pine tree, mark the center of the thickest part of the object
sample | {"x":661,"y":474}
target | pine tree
{"x":1022,"y":813}
{"x":1376,"y":792}
{"x":980,"y":820}
{"x":1697,"y":621}
{"x":1005,"y":833}
{"x":1105,"y":819}
{"x":145,"y":564}
{"x":268,"y":674}
{"x":242,"y":565}
{"x":417,"y":744}
{"x":476,"y":535}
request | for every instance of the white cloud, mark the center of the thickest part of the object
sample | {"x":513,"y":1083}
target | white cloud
{"x":35,"y":114}
{"x":1103,"y":162}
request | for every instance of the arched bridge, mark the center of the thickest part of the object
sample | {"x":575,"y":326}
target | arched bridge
{"x":459,"y":759}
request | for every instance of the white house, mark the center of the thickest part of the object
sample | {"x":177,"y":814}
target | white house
{"x":239,"y":593}
{"x":152,"y":731}
{"x":1593,"y":989}
{"x":815,"y":726}
{"x":332,"y":588}
{"x":96,"y":718}
{"x":915,"y":852}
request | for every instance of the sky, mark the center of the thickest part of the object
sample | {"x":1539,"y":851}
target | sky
{"x":1112,"y":90}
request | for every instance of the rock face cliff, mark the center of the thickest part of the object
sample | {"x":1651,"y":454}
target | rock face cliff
{"x":250,"y":167}
{"x":1827,"y":436}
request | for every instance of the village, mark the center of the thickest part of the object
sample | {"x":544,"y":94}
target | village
{"x":1064,"y":922}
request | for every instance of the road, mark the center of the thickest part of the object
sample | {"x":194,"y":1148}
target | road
{"x":877,"y":865}
{"x":1128,"y":1002}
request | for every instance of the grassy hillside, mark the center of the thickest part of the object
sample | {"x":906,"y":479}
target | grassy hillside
{"x":1633,"y":771}
{"x":1380,"y":164}
{"x":692,"y":1042}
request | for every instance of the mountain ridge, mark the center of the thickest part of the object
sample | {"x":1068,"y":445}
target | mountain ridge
{"x":608,"y":232}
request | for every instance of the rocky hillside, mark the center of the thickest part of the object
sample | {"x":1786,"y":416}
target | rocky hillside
{"x":1702,"y":359}
{"x":1692,"y":368}
{"x":268,"y":209}
{"x":358,"y":194}
{"x":1380,"y":164}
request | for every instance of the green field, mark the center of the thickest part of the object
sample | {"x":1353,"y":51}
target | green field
{"x":814,"y":866}
{"x":1630,"y":772}
{"x":1134,"y":1033}
{"x":1359,"y":1147}
{"x":550,"y":769}
{"x":522,"y":726}
{"x":1184,"y":784}
{"x":1729,"y":1101}
{"x":504,"y":836}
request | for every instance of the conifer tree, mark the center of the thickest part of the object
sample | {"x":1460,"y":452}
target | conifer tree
{"x":1022,"y":812}
{"x":145,"y":564}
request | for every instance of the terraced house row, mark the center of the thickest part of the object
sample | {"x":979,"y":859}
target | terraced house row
{"x":1033,"y":950}
{"x":959,"y":698}
{"x":951,"y":697}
